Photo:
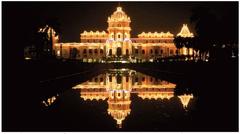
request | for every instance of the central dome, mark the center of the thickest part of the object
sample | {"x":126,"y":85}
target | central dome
{"x":119,"y":15}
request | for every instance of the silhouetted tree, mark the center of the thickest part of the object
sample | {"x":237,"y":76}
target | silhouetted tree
{"x":206,"y":27}
{"x":178,"y":41}
{"x":215,"y":27}
{"x":43,"y":39}
{"x":181,"y":42}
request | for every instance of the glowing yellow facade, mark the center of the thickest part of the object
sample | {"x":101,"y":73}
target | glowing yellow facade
{"x":117,"y":85}
{"x":116,"y":43}
{"x":185,"y":33}
{"x":185,"y":99}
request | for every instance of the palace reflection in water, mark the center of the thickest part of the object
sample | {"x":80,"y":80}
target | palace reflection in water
{"x":117,"y":85}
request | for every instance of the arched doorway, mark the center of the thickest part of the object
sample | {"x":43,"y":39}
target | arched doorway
{"x":119,"y":51}
{"x":110,"y":52}
{"x":127,"y":52}
{"x":73,"y":53}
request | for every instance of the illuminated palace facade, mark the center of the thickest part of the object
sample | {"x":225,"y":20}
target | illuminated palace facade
{"x":116,"y":43}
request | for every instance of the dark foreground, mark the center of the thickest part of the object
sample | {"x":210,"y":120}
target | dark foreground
{"x":213,"y":85}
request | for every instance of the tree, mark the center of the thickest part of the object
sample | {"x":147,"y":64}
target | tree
{"x":178,"y":41}
{"x":206,"y":27}
{"x":215,"y":26}
{"x":44,"y":38}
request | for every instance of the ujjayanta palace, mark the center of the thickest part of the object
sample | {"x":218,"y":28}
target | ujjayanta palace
{"x":116,"y":45}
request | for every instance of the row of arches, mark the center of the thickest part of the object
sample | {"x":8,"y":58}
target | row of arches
{"x":74,"y":53}
{"x":119,"y":36}
{"x":118,"y":52}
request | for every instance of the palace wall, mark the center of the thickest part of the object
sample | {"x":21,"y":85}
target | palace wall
{"x":116,"y":43}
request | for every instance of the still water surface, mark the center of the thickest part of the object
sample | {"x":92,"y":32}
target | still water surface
{"x":121,"y":99}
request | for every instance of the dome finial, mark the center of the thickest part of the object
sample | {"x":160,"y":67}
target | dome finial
{"x":119,"y":4}
{"x":119,"y":8}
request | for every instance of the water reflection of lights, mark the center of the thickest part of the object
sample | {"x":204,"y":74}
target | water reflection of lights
{"x":185,"y":99}
{"x":49,"y":101}
{"x":117,"y":85}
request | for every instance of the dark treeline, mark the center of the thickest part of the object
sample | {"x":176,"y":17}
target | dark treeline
{"x":216,"y":31}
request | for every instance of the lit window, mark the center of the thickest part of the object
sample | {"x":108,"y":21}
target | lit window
{"x":136,"y":51}
{"x":58,"y":53}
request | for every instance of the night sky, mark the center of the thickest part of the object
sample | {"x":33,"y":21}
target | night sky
{"x":75,"y":17}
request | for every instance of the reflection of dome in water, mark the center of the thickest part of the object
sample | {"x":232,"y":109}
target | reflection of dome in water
{"x":185,"y":99}
{"x":120,"y":114}
{"x":117,"y":85}
{"x":119,"y":105}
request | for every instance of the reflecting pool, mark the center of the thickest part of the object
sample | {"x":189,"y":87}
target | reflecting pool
{"x":121,"y":99}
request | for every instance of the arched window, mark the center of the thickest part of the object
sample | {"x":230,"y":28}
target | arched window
{"x":127,"y":52}
{"x":110,"y":78}
{"x":90,"y":51}
{"x":110,"y":52}
{"x":101,"y":79}
{"x":161,"y":51}
{"x":101,"y":51}
{"x":95,"y":51}
{"x":84,"y":51}
{"x":136,"y":79}
{"x":136,"y":51}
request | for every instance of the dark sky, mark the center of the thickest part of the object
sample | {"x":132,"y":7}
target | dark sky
{"x":75,"y":17}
